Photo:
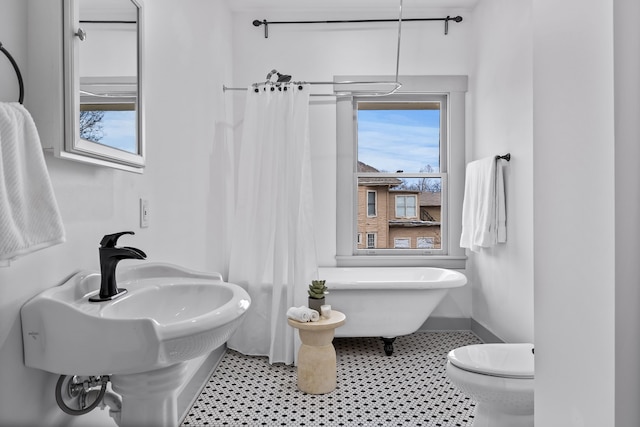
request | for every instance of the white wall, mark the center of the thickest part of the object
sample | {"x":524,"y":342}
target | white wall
{"x":501,"y":121}
{"x":317,"y":53}
{"x":188,"y":58}
{"x":574,"y":190}
{"x":627,"y":176}
{"x":539,"y":67}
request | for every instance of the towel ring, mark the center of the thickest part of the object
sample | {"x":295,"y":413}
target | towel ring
{"x":15,"y":67}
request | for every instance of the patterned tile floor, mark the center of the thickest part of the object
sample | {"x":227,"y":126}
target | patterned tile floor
{"x":409,"y":388}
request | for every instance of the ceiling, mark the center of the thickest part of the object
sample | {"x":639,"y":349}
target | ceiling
{"x":348,"y":5}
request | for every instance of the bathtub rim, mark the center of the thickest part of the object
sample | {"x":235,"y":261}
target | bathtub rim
{"x":451,"y":279}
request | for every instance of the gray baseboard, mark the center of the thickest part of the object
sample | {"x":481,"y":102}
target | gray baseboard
{"x":460,"y":324}
{"x":483,"y":333}
{"x":446,"y":324}
{"x":194,"y":387}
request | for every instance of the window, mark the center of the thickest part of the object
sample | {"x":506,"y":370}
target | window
{"x":399,"y":151}
{"x":371,"y":203}
{"x":111,"y":125}
{"x":371,"y":240}
{"x":402,"y":242}
{"x":406,"y":206}
{"x":425,"y":242}
{"x":401,"y":174}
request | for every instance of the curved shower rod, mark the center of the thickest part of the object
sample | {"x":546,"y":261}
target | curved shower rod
{"x":396,"y":84}
{"x":286,"y":78}
{"x":394,"y":89}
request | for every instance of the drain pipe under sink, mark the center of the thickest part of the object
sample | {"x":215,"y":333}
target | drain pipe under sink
{"x":110,"y":399}
{"x":80,"y":390}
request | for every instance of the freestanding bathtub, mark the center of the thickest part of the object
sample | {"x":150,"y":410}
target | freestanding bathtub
{"x":386,"y":302}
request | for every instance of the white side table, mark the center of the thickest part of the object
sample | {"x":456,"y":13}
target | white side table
{"x":317,"y":356}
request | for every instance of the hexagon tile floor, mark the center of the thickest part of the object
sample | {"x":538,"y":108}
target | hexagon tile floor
{"x":408,"y":388}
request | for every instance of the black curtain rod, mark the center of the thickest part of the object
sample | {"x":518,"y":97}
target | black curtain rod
{"x":93,"y":21}
{"x":257,"y":22}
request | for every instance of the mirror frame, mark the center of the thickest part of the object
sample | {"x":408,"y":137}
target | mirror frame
{"x":84,"y":150}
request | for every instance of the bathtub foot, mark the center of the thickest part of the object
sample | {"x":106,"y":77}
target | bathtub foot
{"x":388,"y":345}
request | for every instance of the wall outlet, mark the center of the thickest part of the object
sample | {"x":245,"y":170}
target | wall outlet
{"x":144,"y":213}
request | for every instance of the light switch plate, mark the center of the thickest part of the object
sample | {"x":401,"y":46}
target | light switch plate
{"x":144,"y":213}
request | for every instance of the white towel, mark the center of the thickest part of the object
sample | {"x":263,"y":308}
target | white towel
{"x":303,"y":314}
{"x":483,"y":208}
{"x":29,"y":215}
{"x":501,"y":206}
{"x":315,"y":316}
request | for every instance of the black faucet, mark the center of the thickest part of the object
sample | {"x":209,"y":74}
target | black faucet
{"x":110,"y":256}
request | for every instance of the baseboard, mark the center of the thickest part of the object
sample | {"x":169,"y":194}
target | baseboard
{"x":446,"y":324}
{"x":483,"y":333}
{"x":198,"y":381}
{"x":460,"y":324}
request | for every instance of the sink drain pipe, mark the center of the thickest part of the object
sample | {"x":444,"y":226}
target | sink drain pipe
{"x":82,"y":390}
{"x":110,"y":399}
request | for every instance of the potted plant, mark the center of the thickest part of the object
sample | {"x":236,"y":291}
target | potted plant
{"x":317,"y":291}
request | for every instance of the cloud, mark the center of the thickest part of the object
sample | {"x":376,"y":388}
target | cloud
{"x":391,"y":140}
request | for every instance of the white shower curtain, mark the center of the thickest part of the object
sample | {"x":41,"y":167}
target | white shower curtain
{"x":272,"y":249}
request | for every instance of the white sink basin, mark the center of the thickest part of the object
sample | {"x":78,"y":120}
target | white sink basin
{"x":169,"y":315}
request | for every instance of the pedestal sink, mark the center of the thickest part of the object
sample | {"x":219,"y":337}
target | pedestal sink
{"x":142,"y":339}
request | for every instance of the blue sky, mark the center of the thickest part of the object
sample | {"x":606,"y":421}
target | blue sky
{"x":391,"y":140}
{"x":119,"y":129}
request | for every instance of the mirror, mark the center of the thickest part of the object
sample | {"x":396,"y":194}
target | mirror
{"x":104,"y":110}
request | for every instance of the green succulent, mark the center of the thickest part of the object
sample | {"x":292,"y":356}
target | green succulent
{"x":317,"y":289}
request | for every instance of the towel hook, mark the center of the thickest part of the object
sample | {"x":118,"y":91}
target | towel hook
{"x":15,"y":67}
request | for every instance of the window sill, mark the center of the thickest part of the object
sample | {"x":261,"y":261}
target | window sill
{"x":443,"y":261}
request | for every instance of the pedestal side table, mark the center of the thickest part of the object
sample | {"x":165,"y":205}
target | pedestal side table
{"x":317,"y":356}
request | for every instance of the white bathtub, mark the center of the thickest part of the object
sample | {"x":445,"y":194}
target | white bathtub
{"x":386,"y":301}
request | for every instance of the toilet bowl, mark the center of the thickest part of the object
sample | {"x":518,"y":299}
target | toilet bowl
{"x":499,"y":378}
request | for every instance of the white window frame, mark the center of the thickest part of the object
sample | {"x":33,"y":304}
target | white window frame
{"x":416,"y":208}
{"x":375,"y":240}
{"x":452,"y":173}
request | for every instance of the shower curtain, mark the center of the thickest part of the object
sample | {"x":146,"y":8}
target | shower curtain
{"x":273,"y":253}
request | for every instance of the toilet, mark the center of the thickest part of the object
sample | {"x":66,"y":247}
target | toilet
{"x":499,"y":378}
